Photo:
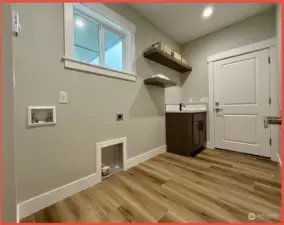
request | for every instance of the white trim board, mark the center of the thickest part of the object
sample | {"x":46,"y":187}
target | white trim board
{"x":97,"y":70}
{"x":275,"y":93}
{"x":279,"y":160}
{"x":242,"y":50}
{"x":274,"y":108}
{"x":44,"y":200}
{"x":18,"y":215}
{"x":145,"y":156}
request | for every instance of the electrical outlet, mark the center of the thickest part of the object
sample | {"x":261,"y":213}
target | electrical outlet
{"x":119,"y":116}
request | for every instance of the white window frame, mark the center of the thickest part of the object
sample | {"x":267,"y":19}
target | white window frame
{"x":111,"y":21}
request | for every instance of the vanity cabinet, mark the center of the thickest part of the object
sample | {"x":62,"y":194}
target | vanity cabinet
{"x":185,"y":132}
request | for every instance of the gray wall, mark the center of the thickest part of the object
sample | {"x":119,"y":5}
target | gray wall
{"x":8,"y":151}
{"x":49,"y":157}
{"x":253,"y":29}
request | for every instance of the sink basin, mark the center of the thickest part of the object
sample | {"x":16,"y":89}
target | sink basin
{"x":186,"y":111}
{"x":187,"y":108}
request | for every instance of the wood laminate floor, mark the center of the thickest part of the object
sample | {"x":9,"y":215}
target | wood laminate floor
{"x":215,"y":186}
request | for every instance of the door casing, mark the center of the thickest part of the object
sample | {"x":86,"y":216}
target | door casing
{"x":274,"y":90}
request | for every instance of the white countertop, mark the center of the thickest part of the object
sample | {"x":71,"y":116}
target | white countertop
{"x":185,"y":111}
{"x":187,"y":108}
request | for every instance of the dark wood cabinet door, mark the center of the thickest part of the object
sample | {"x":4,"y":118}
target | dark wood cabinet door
{"x":185,"y":132}
{"x":179,"y":133}
{"x":202,"y":134}
{"x":196,"y":135}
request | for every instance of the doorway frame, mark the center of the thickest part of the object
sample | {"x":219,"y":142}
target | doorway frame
{"x":274,"y":90}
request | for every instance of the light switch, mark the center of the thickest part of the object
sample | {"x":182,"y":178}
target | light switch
{"x":63,"y":99}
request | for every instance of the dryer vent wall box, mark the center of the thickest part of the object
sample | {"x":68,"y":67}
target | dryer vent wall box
{"x":41,"y":115}
{"x":16,"y":27}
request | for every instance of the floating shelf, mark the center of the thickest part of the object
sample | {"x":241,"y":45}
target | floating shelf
{"x":165,"y":59}
{"x":160,"y":82}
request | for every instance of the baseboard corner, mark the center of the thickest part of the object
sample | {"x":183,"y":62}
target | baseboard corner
{"x":209,"y":145}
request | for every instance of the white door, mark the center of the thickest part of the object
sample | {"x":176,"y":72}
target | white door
{"x":241,"y":101}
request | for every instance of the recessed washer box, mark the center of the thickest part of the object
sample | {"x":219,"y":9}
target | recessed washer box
{"x":41,"y":115}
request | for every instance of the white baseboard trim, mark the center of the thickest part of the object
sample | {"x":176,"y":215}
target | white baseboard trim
{"x":209,"y":145}
{"x":42,"y":201}
{"x":18,"y":216}
{"x":279,"y":160}
{"x":145,"y":156}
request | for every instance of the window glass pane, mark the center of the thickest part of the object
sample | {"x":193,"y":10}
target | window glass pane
{"x":86,"y":38}
{"x":113,"y":50}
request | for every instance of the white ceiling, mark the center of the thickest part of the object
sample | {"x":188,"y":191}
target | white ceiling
{"x":183,"y":21}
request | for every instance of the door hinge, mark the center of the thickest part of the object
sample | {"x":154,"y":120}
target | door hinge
{"x":270,"y":141}
{"x":269,"y":60}
{"x":269,"y":100}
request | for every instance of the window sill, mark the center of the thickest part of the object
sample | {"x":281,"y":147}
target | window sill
{"x":98,"y":70}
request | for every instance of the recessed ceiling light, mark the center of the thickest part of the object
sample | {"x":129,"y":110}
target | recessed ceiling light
{"x":207,"y":12}
{"x":79,"y":23}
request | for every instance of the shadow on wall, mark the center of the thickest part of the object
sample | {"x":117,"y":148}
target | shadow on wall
{"x":161,"y":69}
{"x":158,"y":97}
{"x":141,"y":106}
{"x":142,"y":68}
{"x":184,"y":77}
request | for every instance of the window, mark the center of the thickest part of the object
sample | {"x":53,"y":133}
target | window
{"x":113,"y":50}
{"x":99,"y":41}
{"x":86,"y":39}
